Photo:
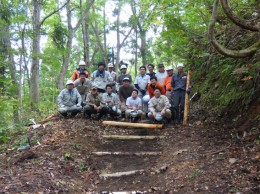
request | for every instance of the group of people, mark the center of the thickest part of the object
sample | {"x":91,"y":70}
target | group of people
{"x":158,"y":96}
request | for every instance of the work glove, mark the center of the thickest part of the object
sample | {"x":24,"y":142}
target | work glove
{"x":188,"y":90}
{"x":142,"y":91}
{"x":62,"y":106}
{"x":78,"y":105}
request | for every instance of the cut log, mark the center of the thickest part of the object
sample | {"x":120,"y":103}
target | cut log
{"x":120,"y":174}
{"x":134,"y":125}
{"x":131,"y":137}
{"x":127,"y":153}
{"x":186,"y":106}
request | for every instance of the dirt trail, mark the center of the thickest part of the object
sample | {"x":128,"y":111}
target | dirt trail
{"x":193,"y":159}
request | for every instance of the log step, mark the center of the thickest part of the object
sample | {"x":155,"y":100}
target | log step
{"x":131,"y":137}
{"x":133,"y":125}
{"x":127,"y":153}
{"x":120,"y":174}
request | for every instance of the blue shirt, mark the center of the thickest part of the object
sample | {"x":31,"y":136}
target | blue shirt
{"x":179,"y":81}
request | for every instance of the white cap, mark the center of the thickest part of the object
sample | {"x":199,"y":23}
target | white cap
{"x":180,"y":65}
{"x":69,"y":82}
{"x":169,"y":68}
{"x":126,"y":78}
{"x":82,"y":63}
{"x":123,"y":67}
{"x":110,"y":65}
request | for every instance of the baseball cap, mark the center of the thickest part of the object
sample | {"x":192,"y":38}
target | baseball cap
{"x":69,"y":82}
{"x":180,"y":65}
{"x":161,"y":65}
{"x":126,"y":78}
{"x":110,"y":65}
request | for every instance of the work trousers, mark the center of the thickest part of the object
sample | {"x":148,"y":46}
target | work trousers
{"x":178,"y":104}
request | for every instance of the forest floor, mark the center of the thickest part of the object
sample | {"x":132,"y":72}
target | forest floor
{"x":198,"y":158}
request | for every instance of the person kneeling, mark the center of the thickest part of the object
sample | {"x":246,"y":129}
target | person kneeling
{"x":94,"y":104}
{"x":134,"y":107}
{"x":69,"y":100}
{"x":159,"y":108}
{"x":111,"y":102}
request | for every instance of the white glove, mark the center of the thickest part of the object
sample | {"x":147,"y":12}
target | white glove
{"x":78,"y":105}
{"x":62,"y":106}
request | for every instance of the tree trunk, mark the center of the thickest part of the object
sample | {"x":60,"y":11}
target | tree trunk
{"x":118,"y":48}
{"x":143,"y":46}
{"x":35,"y":54}
{"x":136,"y":50}
{"x":85,"y":34}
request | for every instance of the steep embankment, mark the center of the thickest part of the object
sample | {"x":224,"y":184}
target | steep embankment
{"x":186,"y":160}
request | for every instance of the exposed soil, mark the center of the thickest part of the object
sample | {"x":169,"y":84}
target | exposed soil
{"x":201,"y":159}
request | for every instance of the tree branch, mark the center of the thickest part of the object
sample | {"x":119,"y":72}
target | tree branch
{"x":125,"y":37}
{"x":55,"y":11}
{"x":235,"y":19}
{"x":221,"y":49}
{"x":83,"y":15}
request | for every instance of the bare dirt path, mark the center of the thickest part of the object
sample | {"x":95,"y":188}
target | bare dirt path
{"x":192,"y":159}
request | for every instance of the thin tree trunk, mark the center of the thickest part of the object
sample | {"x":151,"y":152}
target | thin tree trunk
{"x":136,"y":50}
{"x":104,"y":27}
{"x":143,"y":46}
{"x":118,"y":48}
{"x":35,"y":54}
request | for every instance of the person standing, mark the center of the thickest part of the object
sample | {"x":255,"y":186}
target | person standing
{"x":167,"y":83}
{"x":141,"y":82}
{"x":178,"y":87}
{"x":80,"y":69}
{"x":161,"y":74}
{"x":151,"y":72}
{"x":113,"y":74}
{"x":82,"y":84}
{"x":69,"y":100}
{"x":120,"y":79}
{"x":125,"y":91}
{"x":159,"y":108}
{"x":101,"y":78}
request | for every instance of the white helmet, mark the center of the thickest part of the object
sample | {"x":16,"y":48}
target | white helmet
{"x":169,"y":68}
{"x":82,"y":63}
{"x":133,"y":114}
{"x":110,"y":65}
{"x":180,"y":65}
{"x":123,"y":67}
{"x":158,"y":117}
{"x":69,"y":82}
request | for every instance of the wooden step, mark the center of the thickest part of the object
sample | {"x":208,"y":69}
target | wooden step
{"x":120,"y":174}
{"x":127,"y":153}
{"x":132,"y":125}
{"x":131,"y":137}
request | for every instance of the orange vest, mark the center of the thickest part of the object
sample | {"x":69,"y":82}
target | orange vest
{"x":151,"y":90}
{"x":167,"y":83}
{"x":75,"y":75}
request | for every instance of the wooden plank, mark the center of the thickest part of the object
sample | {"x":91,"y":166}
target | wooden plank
{"x":131,"y":137}
{"x":127,"y":153}
{"x":133,"y":125}
{"x":186,"y":106}
{"x":120,"y":174}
